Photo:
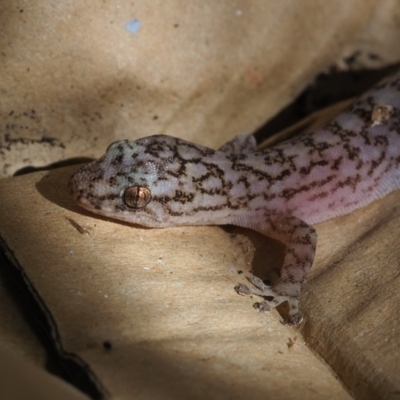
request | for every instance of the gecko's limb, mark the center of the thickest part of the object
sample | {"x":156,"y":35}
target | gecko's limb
{"x":300,"y":239}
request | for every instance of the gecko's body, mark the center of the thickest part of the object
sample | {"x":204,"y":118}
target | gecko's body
{"x":161,"y":181}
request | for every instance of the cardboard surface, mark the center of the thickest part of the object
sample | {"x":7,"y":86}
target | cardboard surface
{"x":352,"y":295}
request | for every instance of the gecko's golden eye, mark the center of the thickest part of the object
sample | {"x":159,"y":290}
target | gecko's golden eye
{"x":137,"y":196}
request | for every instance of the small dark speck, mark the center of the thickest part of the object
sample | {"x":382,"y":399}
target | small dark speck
{"x":11,"y":113}
{"x":291,"y":342}
{"x":240,"y":272}
{"x":107,"y":345}
{"x":21,"y":11}
{"x":373,"y":56}
{"x":155,"y":117}
{"x":176,"y":25}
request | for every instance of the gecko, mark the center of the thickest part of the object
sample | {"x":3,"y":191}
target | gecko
{"x":281,"y":192}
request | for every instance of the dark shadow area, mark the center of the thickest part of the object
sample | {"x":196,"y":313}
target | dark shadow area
{"x":55,"y":165}
{"x":28,"y":302}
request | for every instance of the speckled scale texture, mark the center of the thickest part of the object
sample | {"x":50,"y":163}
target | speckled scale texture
{"x":162,"y":181}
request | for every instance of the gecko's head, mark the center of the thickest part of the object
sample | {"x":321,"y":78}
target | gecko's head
{"x":122,"y":182}
{"x":134,"y":181}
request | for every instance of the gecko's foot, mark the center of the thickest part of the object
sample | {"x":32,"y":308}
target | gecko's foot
{"x":259,"y":288}
{"x":294,"y":319}
{"x":263,"y":306}
{"x":294,"y":316}
{"x":243,"y":290}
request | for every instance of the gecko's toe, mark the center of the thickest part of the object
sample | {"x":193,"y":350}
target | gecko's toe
{"x":295,"y":319}
{"x":243,"y":290}
{"x":262,"y":306}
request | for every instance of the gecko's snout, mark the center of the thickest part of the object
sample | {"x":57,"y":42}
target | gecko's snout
{"x":74,"y":186}
{"x":80,"y":184}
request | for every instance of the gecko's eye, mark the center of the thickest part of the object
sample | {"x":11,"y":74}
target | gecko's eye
{"x":137,"y":196}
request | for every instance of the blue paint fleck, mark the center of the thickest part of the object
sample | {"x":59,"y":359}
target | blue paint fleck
{"x":133,"y":26}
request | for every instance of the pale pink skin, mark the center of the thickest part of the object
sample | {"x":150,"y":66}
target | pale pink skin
{"x":279,"y":192}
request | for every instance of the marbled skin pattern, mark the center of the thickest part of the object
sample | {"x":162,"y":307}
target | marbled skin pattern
{"x":162,"y":181}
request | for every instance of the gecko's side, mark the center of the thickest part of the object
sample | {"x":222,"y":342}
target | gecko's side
{"x":161,"y":181}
